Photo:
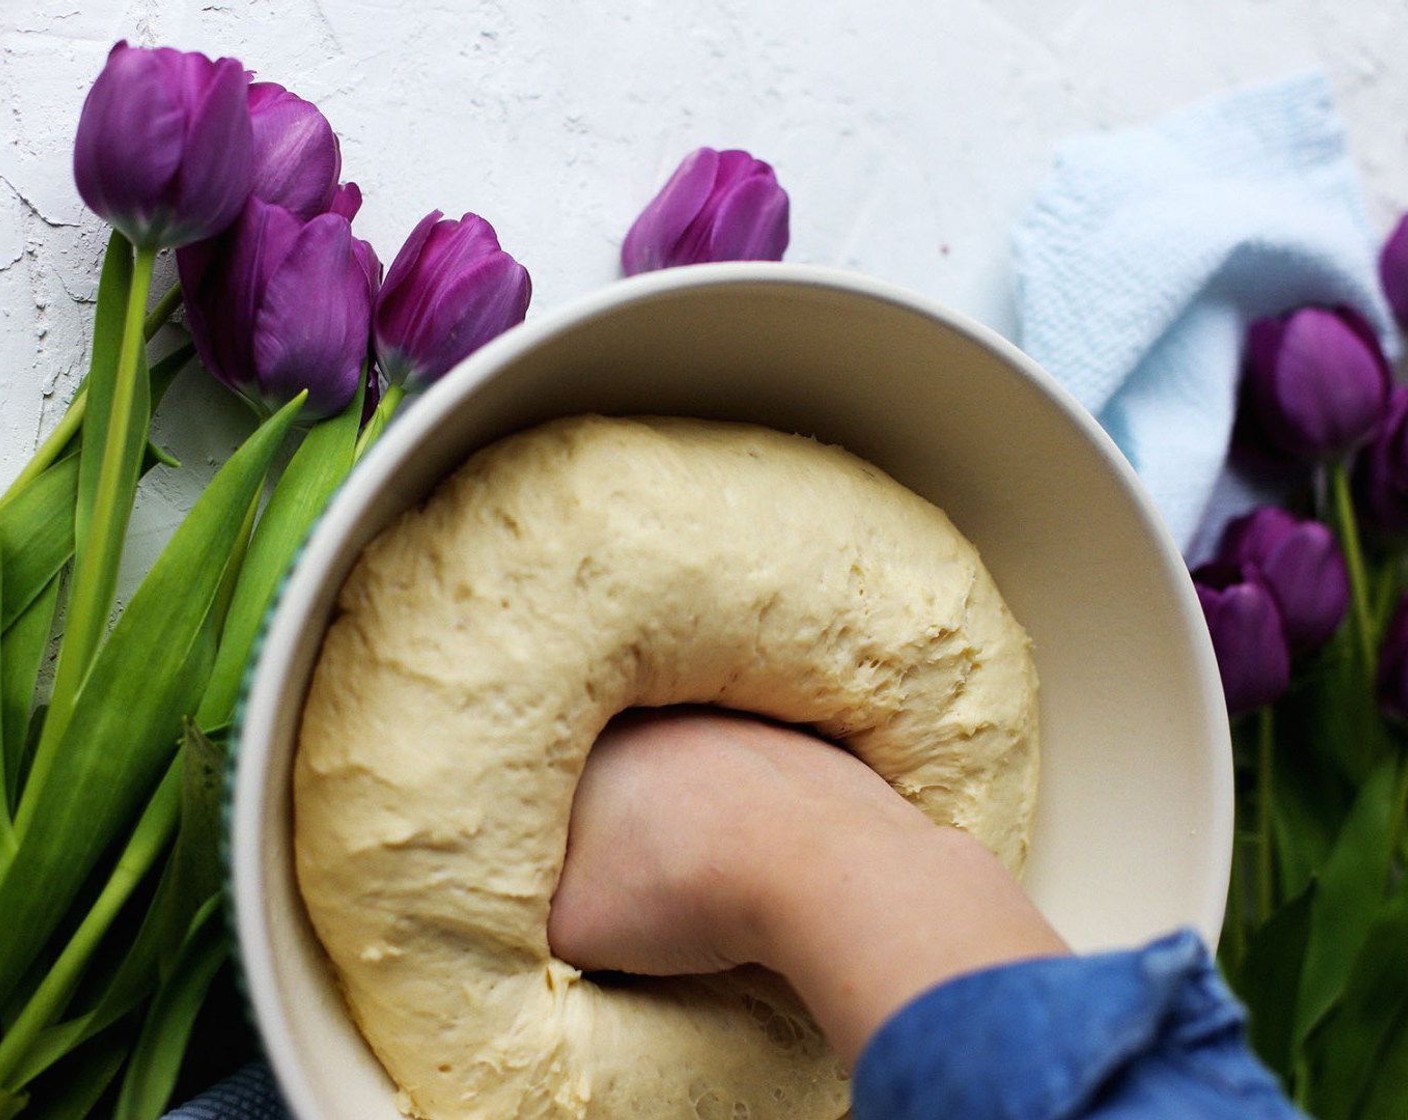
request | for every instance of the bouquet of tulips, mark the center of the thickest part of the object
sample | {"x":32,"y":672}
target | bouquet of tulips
{"x":109,"y":773}
{"x":1305,"y":603}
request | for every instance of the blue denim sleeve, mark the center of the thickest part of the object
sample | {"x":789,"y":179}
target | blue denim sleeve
{"x":1152,"y":1033}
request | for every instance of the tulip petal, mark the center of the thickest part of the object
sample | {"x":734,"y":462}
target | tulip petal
{"x":296,"y":156}
{"x":215,"y":174}
{"x":194,"y":264}
{"x":1331,"y":387}
{"x":1381,"y":469}
{"x":401,"y":302}
{"x":1251,"y":652}
{"x":346,"y":200}
{"x":1393,"y":270}
{"x":475,"y":307}
{"x":751,"y":223}
{"x":371,"y":265}
{"x":221,"y":281}
{"x":313,"y":323}
{"x":653,"y":239}
{"x":129,"y":142}
{"x":454,"y":246}
{"x":1299,"y":562}
{"x":405,"y":263}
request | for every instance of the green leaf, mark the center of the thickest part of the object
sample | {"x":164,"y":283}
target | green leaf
{"x":1309,"y":809}
{"x":114,"y":290}
{"x":1270,"y":978}
{"x":196,"y":871}
{"x":1351,"y":889}
{"x":1387,"y":1097}
{"x":149,"y":839}
{"x":36,"y":536}
{"x":156,"y":1059}
{"x":1349,"y":1048}
{"x":127,"y":716}
{"x":316,"y":470}
{"x":7,"y":800}
{"x":74,"y":1089}
{"x":192,"y":876}
{"x":22,"y":650}
{"x":110,"y":459}
{"x":1342,"y":722}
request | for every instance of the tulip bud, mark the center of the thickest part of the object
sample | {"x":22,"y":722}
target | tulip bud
{"x":1391,"y":684}
{"x":1300,"y":563}
{"x":717,"y":206}
{"x":276,"y":306}
{"x":1317,"y":381}
{"x":1247,"y":636}
{"x":297,"y":159}
{"x":450,"y":289}
{"x":164,"y":146}
{"x":1393,"y":270}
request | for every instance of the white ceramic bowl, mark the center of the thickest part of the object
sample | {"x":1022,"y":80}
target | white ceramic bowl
{"x":1134,"y":822}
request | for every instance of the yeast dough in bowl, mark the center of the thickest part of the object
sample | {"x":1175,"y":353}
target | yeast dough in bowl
{"x":481,"y":643}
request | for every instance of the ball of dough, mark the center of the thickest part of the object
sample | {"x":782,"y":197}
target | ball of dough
{"x":481,"y":643}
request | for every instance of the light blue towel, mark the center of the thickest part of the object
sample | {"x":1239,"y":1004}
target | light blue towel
{"x":1149,"y":249}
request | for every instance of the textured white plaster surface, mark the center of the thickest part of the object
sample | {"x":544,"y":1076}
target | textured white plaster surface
{"x":910,"y":134}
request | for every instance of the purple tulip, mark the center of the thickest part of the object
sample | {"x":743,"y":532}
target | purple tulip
{"x":1300,"y":563}
{"x":1391,"y":685}
{"x":276,"y":306}
{"x":1317,"y":381}
{"x":1247,"y":637}
{"x":164,"y":147}
{"x":1381,"y":470}
{"x":1393,"y":270}
{"x":717,"y":206}
{"x":297,"y":159}
{"x":450,"y":289}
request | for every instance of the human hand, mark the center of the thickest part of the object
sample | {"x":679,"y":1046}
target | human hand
{"x":684,"y":819}
{"x":702,"y":839}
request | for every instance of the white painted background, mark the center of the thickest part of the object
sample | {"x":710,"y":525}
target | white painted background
{"x":911,"y":134}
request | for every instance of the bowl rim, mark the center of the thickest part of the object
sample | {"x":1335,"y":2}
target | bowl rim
{"x":248,"y":766}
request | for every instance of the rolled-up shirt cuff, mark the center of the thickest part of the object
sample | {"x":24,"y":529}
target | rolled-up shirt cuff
{"x":1151,"y":1032}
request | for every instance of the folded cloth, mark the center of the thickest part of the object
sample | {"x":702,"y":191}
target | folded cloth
{"x":1149,"y":249}
{"x":248,"y":1094}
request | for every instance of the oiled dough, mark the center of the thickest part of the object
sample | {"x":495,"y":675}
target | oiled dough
{"x":561,"y":576}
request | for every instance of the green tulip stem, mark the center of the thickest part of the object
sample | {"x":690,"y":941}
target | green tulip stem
{"x":390,"y":401}
{"x":162,"y":311}
{"x":1265,"y":795}
{"x":1354,"y":561}
{"x":57,"y":440}
{"x":88,"y":603}
{"x":149,"y":839}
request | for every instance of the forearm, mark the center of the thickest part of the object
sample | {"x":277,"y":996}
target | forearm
{"x":860,"y":932}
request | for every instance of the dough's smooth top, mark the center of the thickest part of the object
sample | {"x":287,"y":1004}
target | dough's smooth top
{"x":482,"y":642}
